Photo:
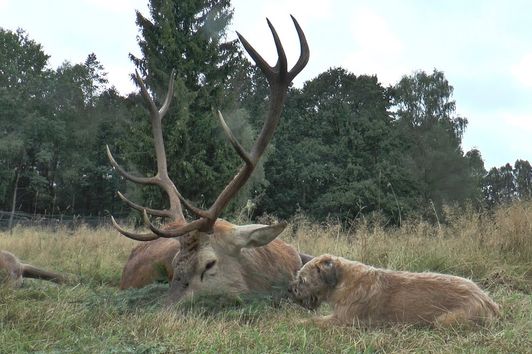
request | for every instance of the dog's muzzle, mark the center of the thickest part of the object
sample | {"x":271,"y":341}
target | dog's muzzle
{"x":310,"y":302}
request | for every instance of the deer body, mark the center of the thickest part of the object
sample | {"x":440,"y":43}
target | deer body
{"x":13,"y":271}
{"x":210,"y":255}
{"x":149,"y":262}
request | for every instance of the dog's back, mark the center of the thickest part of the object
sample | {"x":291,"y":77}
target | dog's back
{"x":360,"y":293}
{"x":434,"y":298}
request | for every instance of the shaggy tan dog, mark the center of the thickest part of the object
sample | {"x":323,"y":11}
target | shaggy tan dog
{"x":360,"y":294}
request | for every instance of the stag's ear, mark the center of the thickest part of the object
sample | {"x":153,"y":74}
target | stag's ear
{"x":257,"y":235}
{"x":328,"y":272}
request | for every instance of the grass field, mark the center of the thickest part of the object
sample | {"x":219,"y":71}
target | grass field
{"x":91,"y":315}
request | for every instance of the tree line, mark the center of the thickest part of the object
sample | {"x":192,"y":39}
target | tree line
{"x":346,"y":147}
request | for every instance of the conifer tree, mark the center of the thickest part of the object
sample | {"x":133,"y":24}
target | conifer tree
{"x":190,"y":37}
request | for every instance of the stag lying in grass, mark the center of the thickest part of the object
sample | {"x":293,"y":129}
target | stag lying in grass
{"x":209,"y":255}
{"x":12,"y":271}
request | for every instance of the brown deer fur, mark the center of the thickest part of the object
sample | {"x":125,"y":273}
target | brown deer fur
{"x":243,"y":270}
{"x":12,"y":271}
{"x":361,"y":294}
{"x":149,"y":262}
{"x":235,"y":269}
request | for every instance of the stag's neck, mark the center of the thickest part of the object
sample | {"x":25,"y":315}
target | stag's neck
{"x":270,"y":266}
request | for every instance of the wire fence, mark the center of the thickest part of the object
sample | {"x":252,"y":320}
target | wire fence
{"x":53,"y":220}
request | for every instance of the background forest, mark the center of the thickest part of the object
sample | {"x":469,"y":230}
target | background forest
{"x":346,"y":147}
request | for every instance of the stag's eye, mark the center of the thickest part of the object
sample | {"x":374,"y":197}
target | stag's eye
{"x":208,"y":266}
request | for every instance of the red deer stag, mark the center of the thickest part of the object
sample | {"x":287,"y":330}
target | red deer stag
{"x":12,"y":271}
{"x":209,"y":255}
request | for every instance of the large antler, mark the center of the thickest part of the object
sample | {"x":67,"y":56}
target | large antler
{"x":279,"y":79}
{"x":161,"y":178}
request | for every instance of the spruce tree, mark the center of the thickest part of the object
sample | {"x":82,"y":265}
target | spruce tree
{"x":190,"y":37}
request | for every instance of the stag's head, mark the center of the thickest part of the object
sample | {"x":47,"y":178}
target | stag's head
{"x":214,"y":255}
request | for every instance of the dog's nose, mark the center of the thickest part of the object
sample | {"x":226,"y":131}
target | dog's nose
{"x":291,"y":288}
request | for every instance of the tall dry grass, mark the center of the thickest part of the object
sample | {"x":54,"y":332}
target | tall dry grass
{"x":91,"y":255}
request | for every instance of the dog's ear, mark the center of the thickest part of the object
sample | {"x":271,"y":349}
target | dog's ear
{"x":328,"y":272}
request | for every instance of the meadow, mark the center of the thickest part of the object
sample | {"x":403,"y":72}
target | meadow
{"x":90,"y":315}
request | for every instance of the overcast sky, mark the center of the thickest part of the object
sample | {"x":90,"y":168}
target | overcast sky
{"x":483,"y":47}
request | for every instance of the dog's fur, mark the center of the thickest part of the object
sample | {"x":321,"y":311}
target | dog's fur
{"x":12,"y":271}
{"x":363,"y":295}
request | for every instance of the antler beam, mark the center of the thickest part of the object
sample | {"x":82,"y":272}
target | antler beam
{"x":161,"y":178}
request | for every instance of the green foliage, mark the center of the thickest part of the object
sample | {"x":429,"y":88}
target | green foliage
{"x":188,"y":36}
{"x":523,"y":179}
{"x":336,"y":153}
{"x":506,"y":184}
{"x":52,"y":125}
{"x":346,"y":147}
{"x":427,"y":120}
{"x":23,"y":126}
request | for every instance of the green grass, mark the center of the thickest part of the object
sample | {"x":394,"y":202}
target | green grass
{"x":91,"y":315}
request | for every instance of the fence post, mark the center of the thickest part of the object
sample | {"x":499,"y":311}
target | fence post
{"x":14,"y":204}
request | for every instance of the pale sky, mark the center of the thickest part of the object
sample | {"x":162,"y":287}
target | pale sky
{"x":483,"y":47}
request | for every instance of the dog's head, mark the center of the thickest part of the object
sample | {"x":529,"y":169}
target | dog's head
{"x":314,"y":281}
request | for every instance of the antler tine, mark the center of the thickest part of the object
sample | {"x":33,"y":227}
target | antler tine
{"x":197,"y":211}
{"x":155,"y":212}
{"x":282,"y":64}
{"x":132,"y":235}
{"x":194,"y":225}
{"x":136,"y":179}
{"x":239,"y":149}
{"x":304,"y":52}
{"x":169,"y":95}
{"x":145,"y":93}
{"x":257,"y":58}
